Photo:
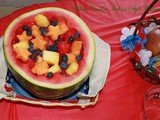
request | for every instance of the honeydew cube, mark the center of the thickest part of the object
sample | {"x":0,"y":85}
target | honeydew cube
{"x":72,"y":68}
{"x":22,"y":44}
{"x":50,"y":57}
{"x":55,"y":68}
{"x":41,"y":20}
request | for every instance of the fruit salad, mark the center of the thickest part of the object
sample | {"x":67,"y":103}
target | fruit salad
{"x":50,"y":45}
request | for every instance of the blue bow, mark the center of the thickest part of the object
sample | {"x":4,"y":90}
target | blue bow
{"x":130,"y":42}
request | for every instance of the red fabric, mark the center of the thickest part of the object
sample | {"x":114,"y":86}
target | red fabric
{"x":121,"y":98}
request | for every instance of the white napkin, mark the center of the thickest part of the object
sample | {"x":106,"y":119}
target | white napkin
{"x":98,"y":75}
{"x":100,"y":70}
{"x":3,"y":72}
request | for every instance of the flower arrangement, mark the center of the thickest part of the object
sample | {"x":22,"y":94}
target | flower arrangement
{"x":142,"y":39}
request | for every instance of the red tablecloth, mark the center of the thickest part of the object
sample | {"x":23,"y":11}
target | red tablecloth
{"x":121,"y":98}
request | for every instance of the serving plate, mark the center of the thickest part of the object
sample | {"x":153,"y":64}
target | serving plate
{"x":87,"y":95}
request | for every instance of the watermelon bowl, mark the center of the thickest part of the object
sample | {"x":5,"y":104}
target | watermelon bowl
{"x":142,"y":40}
{"x":49,"y":51}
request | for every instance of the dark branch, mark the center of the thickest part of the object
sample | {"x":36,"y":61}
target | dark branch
{"x":143,"y":15}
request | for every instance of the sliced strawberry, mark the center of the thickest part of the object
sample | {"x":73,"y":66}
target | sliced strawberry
{"x":64,"y":47}
{"x":69,"y":33}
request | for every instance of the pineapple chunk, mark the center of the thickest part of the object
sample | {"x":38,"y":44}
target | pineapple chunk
{"x":50,"y":57}
{"x":22,"y":44}
{"x":55,"y":68}
{"x":72,"y":68}
{"x":41,"y":20}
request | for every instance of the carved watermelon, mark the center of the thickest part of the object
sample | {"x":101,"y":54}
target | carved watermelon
{"x":50,"y":51}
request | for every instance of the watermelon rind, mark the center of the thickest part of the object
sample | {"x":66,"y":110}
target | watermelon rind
{"x":43,"y":89}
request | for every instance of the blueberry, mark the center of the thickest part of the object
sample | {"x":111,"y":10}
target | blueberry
{"x":43,"y":30}
{"x":25,"y":27}
{"x":78,"y":57}
{"x":55,"y":48}
{"x":38,"y":51}
{"x":64,"y":58}
{"x":71,"y":39}
{"x":31,"y":49}
{"x":53,"y":23}
{"x":32,"y":56}
{"x":52,"y":48}
{"x":30,"y":44}
{"x":77,"y":35}
{"x":56,"y":42}
{"x":49,"y":74}
{"x":63,"y":65}
{"x":29,"y":32}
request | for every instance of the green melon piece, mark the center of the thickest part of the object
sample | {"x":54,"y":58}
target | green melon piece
{"x":60,"y":85}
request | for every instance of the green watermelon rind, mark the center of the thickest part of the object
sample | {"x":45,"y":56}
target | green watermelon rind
{"x":46,"y":87}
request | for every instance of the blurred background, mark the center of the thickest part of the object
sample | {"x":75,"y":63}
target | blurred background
{"x":7,"y":6}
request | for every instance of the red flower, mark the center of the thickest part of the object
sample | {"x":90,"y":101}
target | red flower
{"x":135,"y":51}
{"x":141,"y":34}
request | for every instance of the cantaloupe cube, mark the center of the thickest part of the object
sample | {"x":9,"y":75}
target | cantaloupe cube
{"x":72,"y":68}
{"x":76,"y":47}
{"x":53,"y":32}
{"x":35,"y":31}
{"x":39,"y":59}
{"x":40,"y":68}
{"x":71,"y":58}
{"x":41,"y":20}
{"x":22,"y":53}
{"x":24,"y":37}
{"x":63,"y":27}
{"x":55,"y":68}
{"x":50,"y":57}
{"x":39,"y":43}
{"x":22,"y":44}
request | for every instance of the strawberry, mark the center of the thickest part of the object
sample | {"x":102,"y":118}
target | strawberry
{"x":64,"y":47}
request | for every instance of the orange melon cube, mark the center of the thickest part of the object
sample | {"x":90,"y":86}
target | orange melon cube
{"x":24,"y":37}
{"x":39,"y":59}
{"x":22,"y":53}
{"x":76,"y":47}
{"x":35,"y":31}
{"x":53,"y":32}
{"x":39,"y":43}
{"x":63,"y":27}
{"x":71,"y":58}
{"x":40,"y":68}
